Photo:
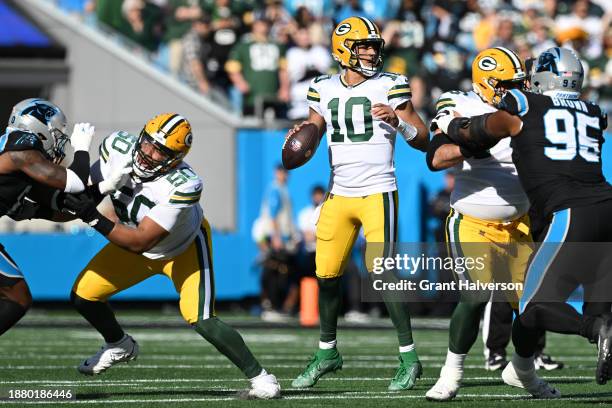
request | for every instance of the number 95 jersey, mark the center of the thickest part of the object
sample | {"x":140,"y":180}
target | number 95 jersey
{"x":171,"y":200}
{"x":360,"y":147}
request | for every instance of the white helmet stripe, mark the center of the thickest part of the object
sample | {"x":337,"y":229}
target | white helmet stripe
{"x":369,"y":24}
{"x":515,"y":61}
{"x":167,"y":127}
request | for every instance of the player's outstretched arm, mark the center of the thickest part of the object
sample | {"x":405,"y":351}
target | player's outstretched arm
{"x":140,"y":239}
{"x":442,"y":153}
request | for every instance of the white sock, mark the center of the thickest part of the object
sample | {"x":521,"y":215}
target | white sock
{"x":407,"y":349}
{"x":523,"y":363}
{"x":263,"y":372}
{"x":327,"y":345}
{"x":455,"y":361}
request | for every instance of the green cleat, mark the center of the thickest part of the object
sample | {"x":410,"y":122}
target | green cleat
{"x":406,"y":375}
{"x":323,"y":362}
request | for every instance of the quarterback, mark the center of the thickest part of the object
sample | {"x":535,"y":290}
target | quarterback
{"x":31,"y":149}
{"x":160,"y":230}
{"x":488,"y":206}
{"x":361,"y":109}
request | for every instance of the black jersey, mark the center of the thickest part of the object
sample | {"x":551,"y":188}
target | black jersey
{"x":14,"y":186}
{"x":558,"y":151}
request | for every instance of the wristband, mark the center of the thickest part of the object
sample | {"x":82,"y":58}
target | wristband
{"x":102,"y":224}
{"x":408,"y":131}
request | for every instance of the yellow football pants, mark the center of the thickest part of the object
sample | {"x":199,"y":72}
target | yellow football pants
{"x":115,"y":269}
{"x":505,"y":248}
{"x":339,"y":223}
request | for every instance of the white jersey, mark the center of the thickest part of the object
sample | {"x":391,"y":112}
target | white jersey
{"x":486,"y":188}
{"x":172,"y":201}
{"x":360,"y":147}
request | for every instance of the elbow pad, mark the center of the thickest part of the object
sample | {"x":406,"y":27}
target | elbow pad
{"x":471,"y":133}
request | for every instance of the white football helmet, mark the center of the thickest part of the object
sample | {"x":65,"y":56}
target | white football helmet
{"x":46,"y":121}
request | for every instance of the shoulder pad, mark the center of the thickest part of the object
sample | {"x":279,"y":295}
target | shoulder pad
{"x":117,"y":143}
{"x":514,"y":102}
{"x":448,"y":100}
{"x":187,"y":186}
{"x":18,"y":140}
{"x":400,"y":87}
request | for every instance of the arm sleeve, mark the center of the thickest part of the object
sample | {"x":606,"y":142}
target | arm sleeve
{"x":314,"y":97}
{"x":399,"y":92}
{"x":514,"y":102}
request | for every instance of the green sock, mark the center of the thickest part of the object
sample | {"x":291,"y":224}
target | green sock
{"x":398,"y":311}
{"x":229,"y":342}
{"x":464,"y":326}
{"x":410,"y":356}
{"x":330,"y":299}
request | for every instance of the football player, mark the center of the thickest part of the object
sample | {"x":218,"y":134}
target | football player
{"x":160,"y":230}
{"x":31,"y":149}
{"x":556,"y":140}
{"x":361,"y":109}
{"x":488,"y":206}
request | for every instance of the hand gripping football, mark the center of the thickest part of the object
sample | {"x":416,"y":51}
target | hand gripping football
{"x":300,"y":146}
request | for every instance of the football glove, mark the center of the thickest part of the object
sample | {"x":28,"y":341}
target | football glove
{"x":82,"y":135}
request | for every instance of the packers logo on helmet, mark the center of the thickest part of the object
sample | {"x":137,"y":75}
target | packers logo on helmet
{"x":349,"y":34}
{"x":163,"y":143}
{"x":496,"y":70}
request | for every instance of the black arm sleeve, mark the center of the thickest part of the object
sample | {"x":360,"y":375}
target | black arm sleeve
{"x":80,"y":165}
{"x":471,"y":133}
{"x":434,"y":144}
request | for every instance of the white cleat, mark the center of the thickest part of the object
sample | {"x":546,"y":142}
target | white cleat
{"x":447,"y":386}
{"x":264,"y":386}
{"x":110,"y":354}
{"x":529,"y":381}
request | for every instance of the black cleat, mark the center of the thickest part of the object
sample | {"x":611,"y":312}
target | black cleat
{"x":496,"y":362}
{"x":546,"y":362}
{"x":604,"y":351}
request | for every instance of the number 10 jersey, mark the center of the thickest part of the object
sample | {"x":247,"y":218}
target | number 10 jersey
{"x":360,"y":147}
{"x":171,"y":200}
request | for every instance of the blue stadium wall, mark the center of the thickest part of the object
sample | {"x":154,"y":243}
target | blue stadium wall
{"x":51,"y":262}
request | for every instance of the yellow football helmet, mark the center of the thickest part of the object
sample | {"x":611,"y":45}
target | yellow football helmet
{"x":355,"y":31}
{"x":496,"y":70}
{"x":163,"y":143}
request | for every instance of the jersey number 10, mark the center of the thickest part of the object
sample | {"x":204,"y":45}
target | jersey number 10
{"x":350,"y":104}
{"x":560,"y":127}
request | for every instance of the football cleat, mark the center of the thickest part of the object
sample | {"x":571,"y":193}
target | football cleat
{"x":447,"y":386}
{"x":323,"y":362}
{"x":546,"y":362}
{"x":495,"y":362}
{"x":529,"y":381}
{"x":264,"y":386}
{"x":110,"y":354}
{"x":604,"y":352}
{"x":406,"y":375}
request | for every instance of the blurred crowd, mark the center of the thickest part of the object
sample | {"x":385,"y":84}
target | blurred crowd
{"x":261,"y":54}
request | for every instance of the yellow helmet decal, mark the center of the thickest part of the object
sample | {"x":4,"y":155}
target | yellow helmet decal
{"x":492,"y":67}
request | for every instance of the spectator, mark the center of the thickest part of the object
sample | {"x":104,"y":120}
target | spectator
{"x":304,"y":62}
{"x":439,"y":207}
{"x":257,"y":68}
{"x":320,"y":9}
{"x":600,"y":73}
{"x":180,"y":16}
{"x":275,"y":233}
{"x":307,"y":220}
{"x":110,"y":14}
{"x":145,"y":23}
{"x":505,"y":35}
{"x":539,"y":37}
{"x":580,"y":18}
{"x":349,"y":9}
{"x":281,"y":22}
{"x":197,"y":51}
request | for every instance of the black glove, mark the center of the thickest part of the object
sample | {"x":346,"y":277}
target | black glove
{"x":83,"y":205}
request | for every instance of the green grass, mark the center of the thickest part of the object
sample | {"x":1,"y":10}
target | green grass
{"x":176,"y":368}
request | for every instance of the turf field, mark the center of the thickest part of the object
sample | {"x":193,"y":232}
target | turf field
{"x":176,"y":368}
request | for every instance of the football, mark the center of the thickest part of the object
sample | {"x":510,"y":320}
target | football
{"x":300,"y":147}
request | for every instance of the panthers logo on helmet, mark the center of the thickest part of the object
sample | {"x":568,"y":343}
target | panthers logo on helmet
{"x":349,"y":34}
{"x":495,"y":70}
